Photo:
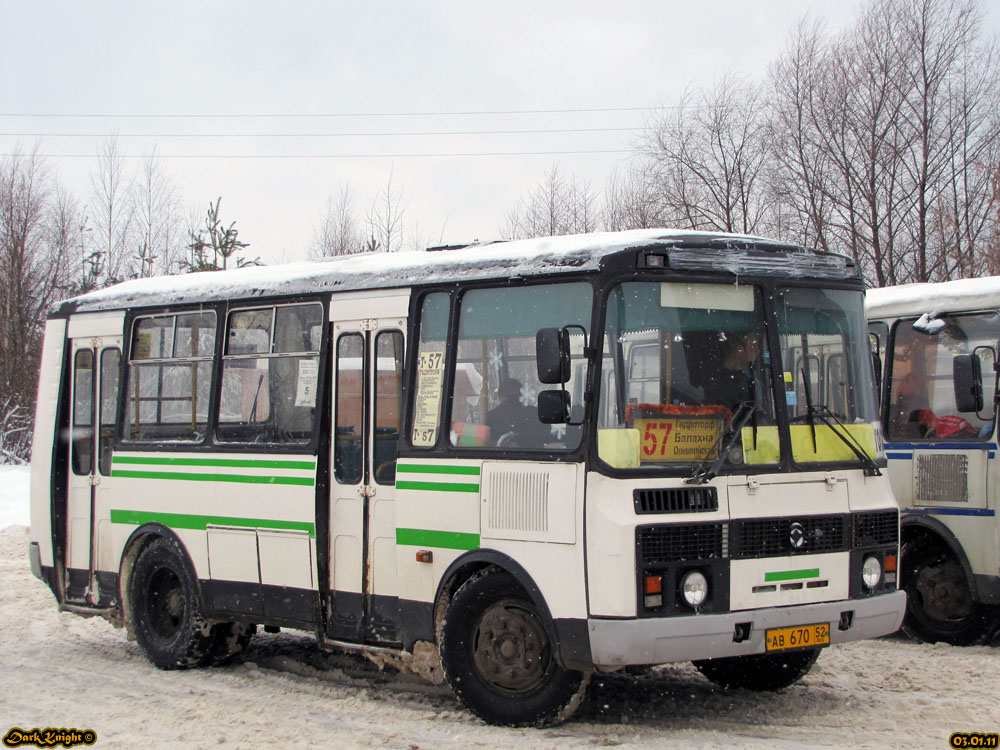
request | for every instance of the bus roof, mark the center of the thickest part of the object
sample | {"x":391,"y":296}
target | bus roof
{"x":940,"y":297}
{"x":738,"y":254}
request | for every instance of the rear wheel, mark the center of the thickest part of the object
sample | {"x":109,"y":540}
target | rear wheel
{"x":498,"y":658}
{"x":759,"y":671}
{"x":939,"y":602}
{"x":165,"y":608}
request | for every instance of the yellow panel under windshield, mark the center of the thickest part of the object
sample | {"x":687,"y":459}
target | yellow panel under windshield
{"x":829,"y":447}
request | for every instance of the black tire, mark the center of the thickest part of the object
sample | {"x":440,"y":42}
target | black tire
{"x":165,"y":608}
{"x":498,"y":659}
{"x":759,"y":671}
{"x":939,"y":603}
{"x":228,"y":640}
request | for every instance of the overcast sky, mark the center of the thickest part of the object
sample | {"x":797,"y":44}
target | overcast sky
{"x":349,"y":73}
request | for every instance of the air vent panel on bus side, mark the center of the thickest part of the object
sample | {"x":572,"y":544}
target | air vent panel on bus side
{"x":529,"y":501}
{"x":676,"y":500}
{"x":942,"y":478}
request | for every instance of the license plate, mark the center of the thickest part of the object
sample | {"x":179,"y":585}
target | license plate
{"x":801,"y":636}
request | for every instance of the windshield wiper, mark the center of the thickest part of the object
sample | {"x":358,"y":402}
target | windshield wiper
{"x":822,"y":411}
{"x":725,"y":443}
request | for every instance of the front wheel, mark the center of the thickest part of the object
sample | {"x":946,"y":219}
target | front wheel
{"x":939,"y":603}
{"x":166,"y":610}
{"x":759,"y":671}
{"x":498,"y":658}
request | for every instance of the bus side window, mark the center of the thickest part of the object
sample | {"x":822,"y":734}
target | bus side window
{"x":270,"y":375}
{"x":110,"y":359}
{"x":427,"y":401}
{"x":496,"y":386}
{"x":170,"y":375}
{"x":388,"y":394}
{"x":83,"y":412}
{"x":349,"y":411}
{"x":921,"y":400}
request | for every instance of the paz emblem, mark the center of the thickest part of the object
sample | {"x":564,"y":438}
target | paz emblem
{"x":797,"y":536}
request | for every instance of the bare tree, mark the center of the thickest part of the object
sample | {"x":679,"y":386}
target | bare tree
{"x":338,"y":232}
{"x":558,"y":205}
{"x":883,"y":137}
{"x":711,"y":153}
{"x":157,"y":227}
{"x":992,"y":242}
{"x":384,"y":222}
{"x":111,"y":210}
{"x":33,"y":273}
{"x":802,"y":166}
{"x":632,"y":200}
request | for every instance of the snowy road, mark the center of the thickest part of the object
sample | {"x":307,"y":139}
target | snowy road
{"x":61,"y":670}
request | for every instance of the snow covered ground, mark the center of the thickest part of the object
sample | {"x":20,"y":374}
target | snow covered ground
{"x":62,"y":670}
{"x":14,"y":496}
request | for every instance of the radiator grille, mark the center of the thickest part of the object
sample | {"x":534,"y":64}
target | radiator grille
{"x":697,"y":541}
{"x":942,"y":479}
{"x":676,"y":500}
{"x":876,"y":529}
{"x":774,"y":537}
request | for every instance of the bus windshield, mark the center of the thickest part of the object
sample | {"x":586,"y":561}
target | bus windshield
{"x":682,"y":364}
{"x":827,"y":372}
{"x":688,"y":378}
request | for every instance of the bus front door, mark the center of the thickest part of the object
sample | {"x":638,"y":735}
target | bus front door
{"x":93,"y":417}
{"x":368,"y":377}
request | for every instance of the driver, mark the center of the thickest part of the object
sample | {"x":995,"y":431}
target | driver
{"x":734,"y":383}
{"x":509,"y":415}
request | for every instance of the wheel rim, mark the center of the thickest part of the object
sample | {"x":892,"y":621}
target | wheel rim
{"x":165,"y":604}
{"x":944,"y":597}
{"x":510,"y":650}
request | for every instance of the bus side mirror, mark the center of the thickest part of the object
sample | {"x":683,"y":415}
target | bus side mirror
{"x":554,"y":407}
{"x":552,"y":356}
{"x":968,"y":376}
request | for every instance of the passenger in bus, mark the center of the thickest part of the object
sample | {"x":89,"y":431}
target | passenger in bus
{"x":735,"y":381}
{"x":510,"y":421}
{"x":910,"y":415}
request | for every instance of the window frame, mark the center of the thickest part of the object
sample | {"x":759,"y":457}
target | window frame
{"x":442,"y":446}
{"x":223,"y":357}
{"x":208,"y":444}
{"x":885,"y":411}
{"x":124,"y":424}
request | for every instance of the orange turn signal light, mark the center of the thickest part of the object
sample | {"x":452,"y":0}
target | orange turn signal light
{"x":890,"y":563}
{"x":653,"y":585}
{"x":425,"y":556}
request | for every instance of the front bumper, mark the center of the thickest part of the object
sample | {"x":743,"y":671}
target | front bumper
{"x":618,"y":643}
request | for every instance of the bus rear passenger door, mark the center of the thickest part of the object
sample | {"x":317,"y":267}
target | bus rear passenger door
{"x":93,"y":416}
{"x":368,"y":360}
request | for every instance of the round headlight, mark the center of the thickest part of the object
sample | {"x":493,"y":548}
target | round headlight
{"x":871,"y":572}
{"x":694,"y":588}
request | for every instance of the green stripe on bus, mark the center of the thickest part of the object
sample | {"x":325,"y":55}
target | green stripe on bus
{"x":436,"y":469}
{"x":444,"y":539}
{"x":190,"y":477}
{"x":437,"y":486}
{"x":232,"y":463}
{"x":200,"y":523}
{"x":791,"y":575}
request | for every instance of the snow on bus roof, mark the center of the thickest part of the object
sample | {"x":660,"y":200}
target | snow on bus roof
{"x":388,"y":270}
{"x":939,"y":297}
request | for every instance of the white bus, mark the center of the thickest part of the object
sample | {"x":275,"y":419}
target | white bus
{"x":545,"y":458}
{"x":937,"y":347}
